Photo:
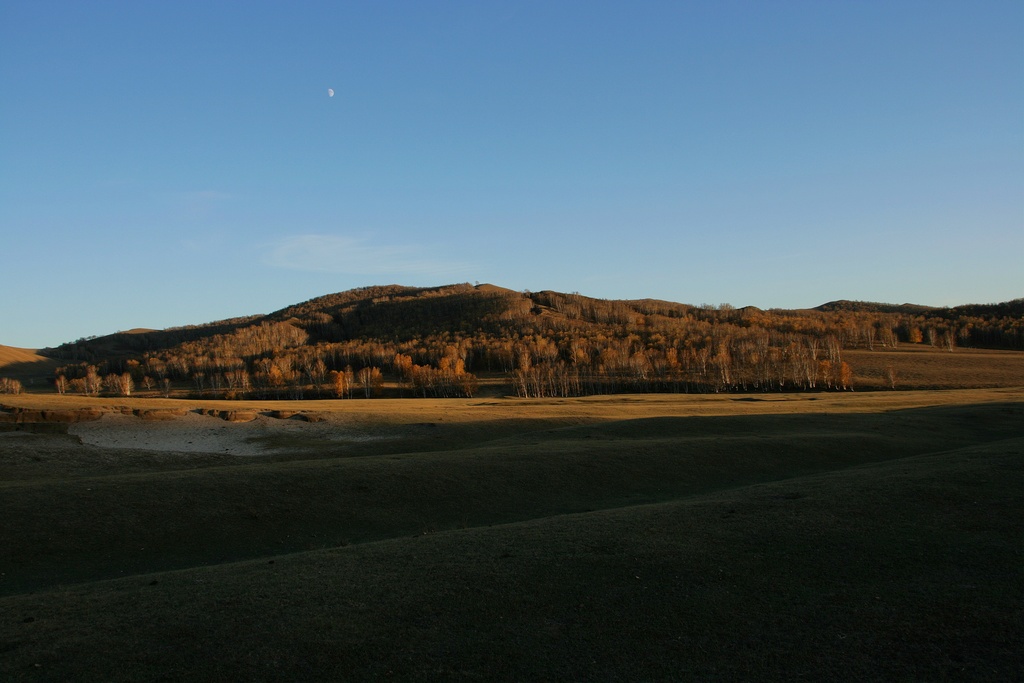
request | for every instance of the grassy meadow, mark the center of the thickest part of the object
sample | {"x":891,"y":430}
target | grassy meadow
{"x":872,"y":535}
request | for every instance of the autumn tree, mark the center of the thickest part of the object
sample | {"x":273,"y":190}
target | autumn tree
{"x":372,"y":381}
{"x":93,"y":383}
{"x":120,"y":384}
{"x":10,"y":386}
{"x":342,"y":382}
{"x":403,"y":365}
{"x":844,"y":376}
{"x":949,"y":339}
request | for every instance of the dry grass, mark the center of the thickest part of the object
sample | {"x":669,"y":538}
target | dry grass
{"x":26,"y":366}
{"x":867,"y":535}
{"x":12,"y":354}
{"x":567,"y":410}
{"x":919,"y":367}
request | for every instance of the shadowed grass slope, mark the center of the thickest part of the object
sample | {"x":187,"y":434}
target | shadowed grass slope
{"x":98,"y":527}
{"x":908,"y":569}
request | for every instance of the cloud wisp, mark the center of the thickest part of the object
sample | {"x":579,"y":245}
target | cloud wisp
{"x":354,"y":256}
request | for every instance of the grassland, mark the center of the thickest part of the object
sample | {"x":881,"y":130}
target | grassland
{"x":923,"y":367}
{"x":865,"y":535}
{"x":26,"y":366}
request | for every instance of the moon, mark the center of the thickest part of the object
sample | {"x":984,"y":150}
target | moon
{"x":330,"y":92}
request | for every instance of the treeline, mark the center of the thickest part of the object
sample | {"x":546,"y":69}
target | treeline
{"x":437,"y":342}
{"x":990,"y":326}
{"x":742,"y":361}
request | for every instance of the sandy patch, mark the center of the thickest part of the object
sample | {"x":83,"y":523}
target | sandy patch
{"x":197,"y":433}
{"x":192,"y":433}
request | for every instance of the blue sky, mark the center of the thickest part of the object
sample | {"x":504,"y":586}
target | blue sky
{"x":172,"y":163}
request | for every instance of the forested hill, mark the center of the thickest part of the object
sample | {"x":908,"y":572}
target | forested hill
{"x":436,"y":340}
{"x":874,"y":307}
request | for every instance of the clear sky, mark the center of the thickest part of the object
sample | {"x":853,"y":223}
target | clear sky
{"x":172,"y":163}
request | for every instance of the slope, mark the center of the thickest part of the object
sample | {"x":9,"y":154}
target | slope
{"x":25,"y":365}
{"x":83,"y":528}
{"x":902,"y":570}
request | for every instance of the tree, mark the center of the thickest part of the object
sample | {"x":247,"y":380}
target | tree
{"x":10,"y":386}
{"x":342,"y":382}
{"x":844,"y":375}
{"x":372,"y":381}
{"x":93,"y":384}
{"x":403,"y":365}
{"x":316,"y":369}
{"x":888,"y":336}
{"x":121,"y":385}
{"x":238,"y":381}
{"x":467,"y":384}
{"x":825,"y":372}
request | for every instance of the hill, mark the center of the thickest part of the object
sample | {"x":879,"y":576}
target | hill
{"x":11,"y":355}
{"x":874,"y":307}
{"x":27,"y":367}
{"x":1006,"y":309}
{"x":447,"y":341}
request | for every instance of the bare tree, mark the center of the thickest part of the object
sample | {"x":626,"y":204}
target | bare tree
{"x":372,"y":381}
{"x":890,"y":375}
{"x":342,"y":382}
{"x":121,"y":385}
{"x":93,"y":382}
{"x":10,"y":386}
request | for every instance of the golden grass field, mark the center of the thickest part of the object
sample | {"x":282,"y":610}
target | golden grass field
{"x":26,"y":365}
{"x":866,"y":535}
